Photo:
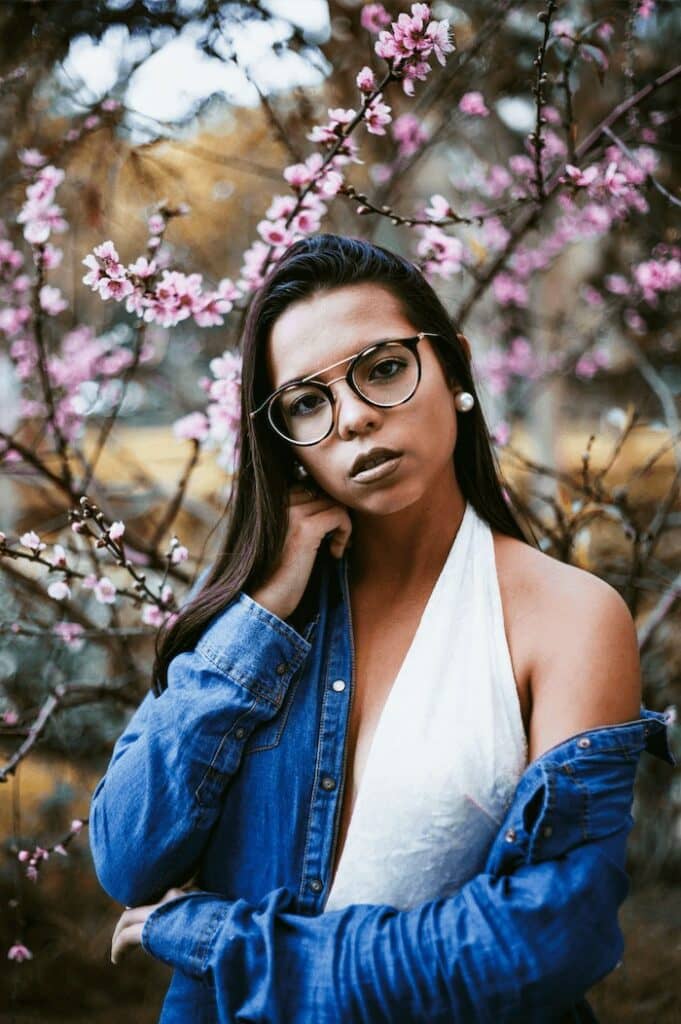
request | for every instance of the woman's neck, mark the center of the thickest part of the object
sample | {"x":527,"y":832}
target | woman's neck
{"x":406,"y":547}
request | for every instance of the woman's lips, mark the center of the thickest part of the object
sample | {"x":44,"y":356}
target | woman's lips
{"x":377,"y":472}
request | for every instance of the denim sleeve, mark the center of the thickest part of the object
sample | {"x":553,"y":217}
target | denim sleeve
{"x":151,"y":813}
{"x":521,"y":948}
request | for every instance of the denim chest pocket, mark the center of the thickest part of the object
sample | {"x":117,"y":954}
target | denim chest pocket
{"x":268,"y":734}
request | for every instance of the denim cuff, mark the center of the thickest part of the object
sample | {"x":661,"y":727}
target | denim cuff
{"x":254,"y":648}
{"x":182,"y":931}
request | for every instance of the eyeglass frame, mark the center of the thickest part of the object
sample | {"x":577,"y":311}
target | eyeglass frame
{"x":325,"y":386}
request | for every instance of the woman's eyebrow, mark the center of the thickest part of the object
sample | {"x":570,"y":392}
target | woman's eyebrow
{"x":317,"y":374}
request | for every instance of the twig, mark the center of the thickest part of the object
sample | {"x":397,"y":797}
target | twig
{"x":538,"y":90}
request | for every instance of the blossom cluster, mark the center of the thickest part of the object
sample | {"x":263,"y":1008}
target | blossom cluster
{"x":40,"y":214}
{"x":219,"y":425}
{"x":167,"y":300}
{"x":410,"y":41}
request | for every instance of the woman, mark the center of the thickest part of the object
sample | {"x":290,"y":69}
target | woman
{"x":384,"y":703}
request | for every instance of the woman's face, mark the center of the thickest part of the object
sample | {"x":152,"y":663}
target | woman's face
{"x":333,"y":325}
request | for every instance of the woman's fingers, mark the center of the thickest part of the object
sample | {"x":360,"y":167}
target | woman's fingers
{"x":128,"y":930}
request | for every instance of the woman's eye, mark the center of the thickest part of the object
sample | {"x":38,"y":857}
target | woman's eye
{"x":385,"y":367}
{"x":304,"y":405}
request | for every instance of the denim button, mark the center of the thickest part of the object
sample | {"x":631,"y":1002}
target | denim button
{"x":510,"y":835}
{"x":316,"y":885}
{"x":240,"y":733}
{"x":328,"y":782}
{"x":281,"y":668}
{"x":547,"y":831}
{"x":338,"y":685}
{"x":584,"y":742}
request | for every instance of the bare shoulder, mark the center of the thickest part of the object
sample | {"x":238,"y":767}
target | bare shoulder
{"x":581,"y":647}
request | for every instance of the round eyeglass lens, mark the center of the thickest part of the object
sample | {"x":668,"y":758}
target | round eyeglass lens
{"x":385,"y":375}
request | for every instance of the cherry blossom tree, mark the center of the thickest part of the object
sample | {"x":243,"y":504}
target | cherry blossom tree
{"x":537,"y":195}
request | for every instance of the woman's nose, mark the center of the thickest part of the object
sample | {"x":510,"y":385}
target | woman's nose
{"x":353,"y":413}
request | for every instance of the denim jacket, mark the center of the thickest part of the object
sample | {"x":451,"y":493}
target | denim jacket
{"x":234,"y":775}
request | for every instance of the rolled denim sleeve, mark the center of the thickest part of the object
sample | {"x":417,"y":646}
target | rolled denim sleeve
{"x":519,"y":948}
{"x":151,"y":813}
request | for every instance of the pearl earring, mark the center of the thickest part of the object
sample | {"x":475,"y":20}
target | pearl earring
{"x":299,"y":471}
{"x":464,"y":401}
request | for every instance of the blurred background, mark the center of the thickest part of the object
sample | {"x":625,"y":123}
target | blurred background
{"x":565,"y":281}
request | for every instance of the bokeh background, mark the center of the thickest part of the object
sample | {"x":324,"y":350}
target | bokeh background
{"x":568,"y":293}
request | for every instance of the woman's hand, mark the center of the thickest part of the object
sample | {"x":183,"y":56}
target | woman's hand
{"x":312,"y":514}
{"x":128,"y":931}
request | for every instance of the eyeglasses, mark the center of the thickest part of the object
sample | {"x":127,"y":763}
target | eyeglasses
{"x":384,"y":374}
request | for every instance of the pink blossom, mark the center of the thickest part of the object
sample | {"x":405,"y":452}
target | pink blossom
{"x":442,"y":254}
{"x":473,"y":104}
{"x":19,"y":952}
{"x":578,"y":177}
{"x":92,"y":121}
{"x":592,"y":296}
{"x":409,"y":134}
{"x":605,"y":31}
{"x":31,"y":540}
{"x":76,"y":825}
{"x":32,"y":157}
{"x":508,"y":291}
{"x":193,"y":427}
{"x":439,"y":208}
{"x":156,"y":224}
{"x":95,"y":275}
{"x":653,"y":276}
{"x":105,"y":591}
{"x":51,"y":300}
{"x":634,"y":321}
{"x":366,"y":80}
{"x":59,"y":590}
{"x":646,"y":8}
{"x":179,"y":554}
{"x":274,"y":232}
{"x":109,"y":258}
{"x":110,"y":104}
{"x":142,"y":267}
{"x":13,"y":319}
{"x":50,"y":257}
{"x":377,"y":115}
{"x":70,"y":634}
{"x":209,"y":309}
{"x":374,"y":17}
{"x":330,"y":184}
{"x":298,"y":176}
{"x":152,"y":615}
{"x":282,"y":206}
{"x":228,"y":290}
{"x":415,"y":71}
{"x":9,"y":717}
{"x":116,"y":530}
{"x":114,"y":288}
{"x":305,"y":223}
{"x":617,"y":284}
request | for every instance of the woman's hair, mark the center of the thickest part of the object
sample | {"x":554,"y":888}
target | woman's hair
{"x":257,"y":509}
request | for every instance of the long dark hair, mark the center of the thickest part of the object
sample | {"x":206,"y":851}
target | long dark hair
{"x":257,"y":507}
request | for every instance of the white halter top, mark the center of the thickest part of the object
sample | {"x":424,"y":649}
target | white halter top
{"x":449,"y":747}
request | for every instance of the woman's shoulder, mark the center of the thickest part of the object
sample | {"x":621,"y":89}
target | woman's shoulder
{"x":579,"y":640}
